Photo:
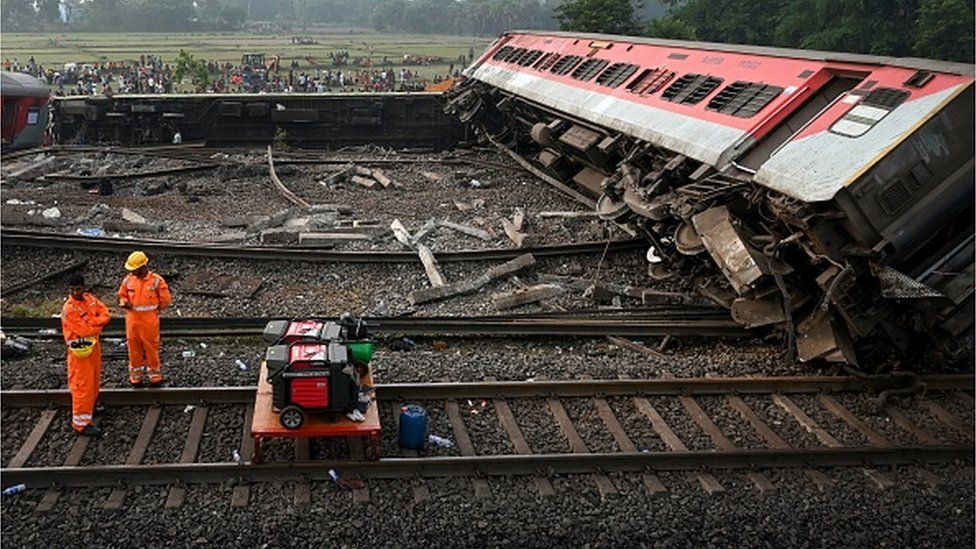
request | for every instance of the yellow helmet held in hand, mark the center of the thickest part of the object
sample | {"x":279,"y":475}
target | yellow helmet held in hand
{"x":82,"y":348}
{"x":136,"y":259}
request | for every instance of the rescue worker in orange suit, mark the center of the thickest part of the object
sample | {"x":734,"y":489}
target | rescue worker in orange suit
{"x":143,"y":294}
{"x":82,"y":319}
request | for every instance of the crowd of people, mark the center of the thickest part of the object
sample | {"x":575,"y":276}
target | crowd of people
{"x":150,"y":75}
{"x":147,"y":75}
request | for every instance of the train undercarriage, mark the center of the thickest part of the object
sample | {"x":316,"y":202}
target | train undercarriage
{"x":839,"y":293}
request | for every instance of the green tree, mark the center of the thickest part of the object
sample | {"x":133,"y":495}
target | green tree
{"x":945,"y":30}
{"x":605,"y":16}
{"x":670,"y":27}
{"x":188,"y":66}
{"x":49,"y":12}
{"x":16,"y":14}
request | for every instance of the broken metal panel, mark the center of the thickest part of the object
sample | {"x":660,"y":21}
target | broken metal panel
{"x":818,"y":337}
{"x":736,"y":259}
{"x":753,"y":313}
{"x":897,"y":285}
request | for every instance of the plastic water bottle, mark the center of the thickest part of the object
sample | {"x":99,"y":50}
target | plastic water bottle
{"x":237,"y":456}
{"x":333,"y":475}
{"x":240,"y":365}
{"x":14,"y":490}
{"x":438,"y":441}
{"x":189,"y":354}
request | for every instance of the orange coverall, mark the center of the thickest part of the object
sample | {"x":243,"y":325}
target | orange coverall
{"x":146,"y":297}
{"x":83,"y":319}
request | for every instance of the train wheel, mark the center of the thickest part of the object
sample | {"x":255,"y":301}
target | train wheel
{"x":291,"y":417}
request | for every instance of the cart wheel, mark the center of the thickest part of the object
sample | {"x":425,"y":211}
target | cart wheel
{"x":291,"y":417}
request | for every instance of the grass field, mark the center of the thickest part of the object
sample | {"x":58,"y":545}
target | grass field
{"x":54,"y":50}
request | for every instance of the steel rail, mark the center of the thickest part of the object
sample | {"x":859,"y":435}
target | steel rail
{"x":712,"y":324}
{"x":495,"y":465}
{"x":39,"y":239}
{"x":511,"y":389}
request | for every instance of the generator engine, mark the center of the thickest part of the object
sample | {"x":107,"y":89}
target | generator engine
{"x":315,"y":366}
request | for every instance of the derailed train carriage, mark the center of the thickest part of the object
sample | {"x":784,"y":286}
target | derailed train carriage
{"x":827,"y":194}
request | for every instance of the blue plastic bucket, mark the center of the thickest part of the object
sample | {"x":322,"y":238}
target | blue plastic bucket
{"x":413,"y":427}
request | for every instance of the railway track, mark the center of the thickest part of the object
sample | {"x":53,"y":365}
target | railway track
{"x":617,"y":403}
{"x":41,"y":239}
{"x":662,"y":321}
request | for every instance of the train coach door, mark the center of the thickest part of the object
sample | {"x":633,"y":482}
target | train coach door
{"x":822,"y":98}
{"x":9,"y":115}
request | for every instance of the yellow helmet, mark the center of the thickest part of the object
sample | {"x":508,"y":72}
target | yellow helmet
{"x":82,"y":348}
{"x":136,"y":259}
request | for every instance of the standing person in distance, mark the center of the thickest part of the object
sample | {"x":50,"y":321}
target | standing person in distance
{"x":82,"y":319}
{"x":143,"y":294}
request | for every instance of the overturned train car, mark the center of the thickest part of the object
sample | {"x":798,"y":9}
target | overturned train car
{"x":827,"y":194}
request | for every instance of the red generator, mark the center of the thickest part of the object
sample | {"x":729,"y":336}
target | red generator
{"x":348,"y":328}
{"x":311,"y":377}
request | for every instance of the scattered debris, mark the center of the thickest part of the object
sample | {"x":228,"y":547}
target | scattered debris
{"x":439,"y":441}
{"x":282,"y":189}
{"x":99,"y":210}
{"x":434,"y":176}
{"x":569,"y":215}
{"x":13,"y":346}
{"x":425,"y":230}
{"x":131,"y":216}
{"x":439,"y":345}
{"x":598,"y":289}
{"x":471,"y":285}
{"x":339,"y":176}
{"x":430,"y":265}
{"x":382,"y":178}
{"x":636,"y":347}
{"x":401,"y":233}
{"x":467,"y":206}
{"x":364,"y":181}
{"x":523,"y":296}
{"x":27,"y":172}
{"x":51,"y":213}
{"x":329,"y":239}
{"x":465,"y":229}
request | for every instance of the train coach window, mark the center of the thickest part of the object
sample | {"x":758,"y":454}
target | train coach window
{"x":919,"y":79}
{"x":690,"y":89}
{"x":864,"y":115}
{"x":588,"y":69}
{"x":515,"y":55}
{"x":885,"y":98}
{"x":547,"y":61}
{"x":502,"y":53}
{"x":743,"y":99}
{"x":649,"y":81}
{"x":531,"y":57}
{"x":566,"y":64}
{"x":616,"y":74}
{"x":32,"y":115}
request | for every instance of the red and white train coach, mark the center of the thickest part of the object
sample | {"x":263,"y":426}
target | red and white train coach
{"x":24,"y":109}
{"x":828,"y":193}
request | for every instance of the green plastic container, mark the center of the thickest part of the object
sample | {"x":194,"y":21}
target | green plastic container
{"x":361,"y":352}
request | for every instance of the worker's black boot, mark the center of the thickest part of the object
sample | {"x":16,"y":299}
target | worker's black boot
{"x":90,"y":431}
